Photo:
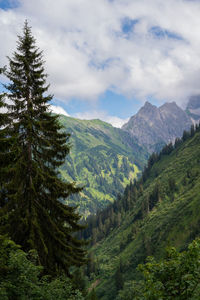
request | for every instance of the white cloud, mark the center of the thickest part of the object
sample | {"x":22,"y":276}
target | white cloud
{"x":58,"y":110}
{"x":90,"y":115}
{"x":116,"y":121}
{"x":87,"y":53}
{"x":102,"y":115}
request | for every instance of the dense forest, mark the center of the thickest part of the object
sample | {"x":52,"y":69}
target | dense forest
{"x":141,"y":245}
{"x":157,"y":211}
{"x":104,"y":221}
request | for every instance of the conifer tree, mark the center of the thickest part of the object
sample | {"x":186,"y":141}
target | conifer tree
{"x":5,"y":142}
{"x":118,"y":279}
{"x":34,"y":214}
{"x":2,"y":120}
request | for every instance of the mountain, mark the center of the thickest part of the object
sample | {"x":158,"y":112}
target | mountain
{"x":159,"y":210}
{"x":103,"y":159}
{"x":193,"y":108}
{"x":155,"y":126}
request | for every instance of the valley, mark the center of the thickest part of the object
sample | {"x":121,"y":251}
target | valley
{"x":164,"y":212}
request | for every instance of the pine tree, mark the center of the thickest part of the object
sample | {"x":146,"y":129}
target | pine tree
{"x":5,"y":142}
{"x":36,"y":216}
{"x":2,"y":148}
{"x":192,"y":130}
{"x":119,"y":282}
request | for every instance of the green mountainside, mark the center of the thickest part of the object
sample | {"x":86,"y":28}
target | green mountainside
{"x":161,"y":209}
{"x":103,"y":159}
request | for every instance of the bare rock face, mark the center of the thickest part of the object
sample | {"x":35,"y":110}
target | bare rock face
{"x":193,"y":108}
{"x":155,"y":126}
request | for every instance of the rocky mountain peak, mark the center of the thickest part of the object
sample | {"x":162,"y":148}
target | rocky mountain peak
{"x":169,"y":106}
{"x":193,"y":108}
{"x":194,"y":102}
{"x":148,"y":105}
{"x":155,"y":126}
{"x":147,"y":109}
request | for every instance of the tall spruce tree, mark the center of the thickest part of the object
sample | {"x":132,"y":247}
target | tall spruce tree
{"x":34,"y":214}
{"x":2,"y":148}
{"x":5,"y":143}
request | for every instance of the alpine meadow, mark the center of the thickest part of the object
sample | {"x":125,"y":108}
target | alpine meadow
{"x":90,"y":211}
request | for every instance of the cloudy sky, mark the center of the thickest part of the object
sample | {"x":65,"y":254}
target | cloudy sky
{"x":105,"y":58}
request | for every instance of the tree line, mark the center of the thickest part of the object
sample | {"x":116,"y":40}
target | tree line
{"x":168,"y":148}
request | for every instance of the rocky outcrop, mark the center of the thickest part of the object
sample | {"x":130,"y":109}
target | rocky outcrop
{"x":193,"y":108}
{"x":155,"y":126}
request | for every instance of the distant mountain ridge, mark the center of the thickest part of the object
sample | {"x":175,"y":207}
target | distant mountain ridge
{"x":103,"y":159}
{"x":155,"y":126}
{"x":193,"y":108}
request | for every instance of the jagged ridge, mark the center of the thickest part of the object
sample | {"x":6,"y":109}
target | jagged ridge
{"x":155,"y":126}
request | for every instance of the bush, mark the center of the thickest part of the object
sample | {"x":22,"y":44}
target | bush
{"x":20,"y":277}
{"x":176,"y":277}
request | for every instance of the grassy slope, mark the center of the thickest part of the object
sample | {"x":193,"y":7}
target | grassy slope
{"x":175,"y":220}
{"x":102,"y":158}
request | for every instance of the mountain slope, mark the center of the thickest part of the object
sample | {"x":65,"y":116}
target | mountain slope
{"x":155,"y":126}
{"x":164,"y":211}
{"x":103,"y":159}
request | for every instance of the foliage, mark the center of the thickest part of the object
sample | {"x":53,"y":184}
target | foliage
{"x":32,"y":212}
{"x":132,"y":290}
{"x":177,"y":276}
{"x":92,"y":295}
{"x":20,"y":278}
{"x":4,"y":145}
{"x":119,"y":279}
{"x":100,"y":225}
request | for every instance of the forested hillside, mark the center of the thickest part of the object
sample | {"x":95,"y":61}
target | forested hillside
{"x":103,"y":159}
{"x":159,"y":210}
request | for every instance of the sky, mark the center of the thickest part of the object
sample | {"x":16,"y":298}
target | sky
{"x":105,"y":58}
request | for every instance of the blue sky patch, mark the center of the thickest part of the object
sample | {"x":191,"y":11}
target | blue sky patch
{"x":162,"y":33}
{"x":8,"y":4}
{"x":118,"y":104}
{"x":2,"y":88}
{"x":73,"y":106}
{"x":112,"y":103}
{"x":128,"y":25}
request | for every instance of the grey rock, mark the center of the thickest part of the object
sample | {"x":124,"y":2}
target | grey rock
{"x":194,"y":102}
{"x":155,"y":126}
{"x":193,"y":108}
